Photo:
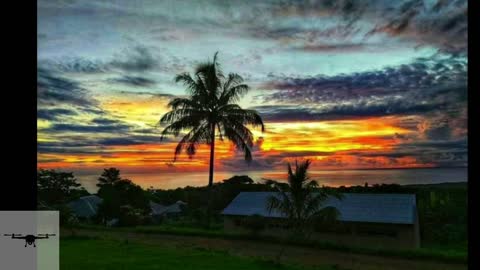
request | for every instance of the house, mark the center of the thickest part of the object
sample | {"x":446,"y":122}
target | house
{"x":374,"y":220}
{"x":171,"y":211}
{"x":157,"y":209}
{"x":85,"y":207}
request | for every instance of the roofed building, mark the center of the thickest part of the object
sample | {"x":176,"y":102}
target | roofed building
{"x":161,"y":211}
{"x":376,"y":220}
{"x":86,"y":206}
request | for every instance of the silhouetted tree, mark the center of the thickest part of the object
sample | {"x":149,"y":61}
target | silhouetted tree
{"x":119,"y":194}
{"x":239,"y":180}
{"x":301,"y":200}
{"x":108,"y":177}
{"x":210,"y":108}
{"x":56,"y":188}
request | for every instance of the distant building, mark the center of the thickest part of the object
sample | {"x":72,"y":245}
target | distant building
{"x":170,"y":211}
{"x":85,"y":207}
{"x":373,"y":220}
{"x":157,"y":209}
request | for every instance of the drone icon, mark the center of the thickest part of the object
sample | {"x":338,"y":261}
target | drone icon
{"x":29,"y":239}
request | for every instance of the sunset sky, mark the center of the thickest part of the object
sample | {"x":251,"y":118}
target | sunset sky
{"x":349,"y":84}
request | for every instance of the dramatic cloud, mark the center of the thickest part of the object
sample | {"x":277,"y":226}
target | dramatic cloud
{"x":426,"y":77}
{"x":54,"y":89}
{"x":439,"y":23}
{"x":359,"y":109}
{"x":54,"y":114}
{"x":148,"y":94}
{"x":136,"y":59}
{"x":105,"y":121}
{"x":134,"y":81}
{"x":75,"y":65}
{"x":111,"y":128}
{"x":424,"y":86}
{"x":348,"y":84}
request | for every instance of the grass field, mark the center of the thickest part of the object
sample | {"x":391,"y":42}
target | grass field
{"x":83,"y":253}
{"x":113,"y":249}
{"x":434,"y":253}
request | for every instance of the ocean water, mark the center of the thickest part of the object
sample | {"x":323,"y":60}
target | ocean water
{"x":328,"y":178}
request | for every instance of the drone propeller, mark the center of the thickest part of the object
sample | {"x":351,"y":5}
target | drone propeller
{"x":46,"y":234}
{"x":15,"y":234}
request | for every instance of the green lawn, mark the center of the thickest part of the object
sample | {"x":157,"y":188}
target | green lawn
{"x":78,"y":253}
{"x":453,"y":253}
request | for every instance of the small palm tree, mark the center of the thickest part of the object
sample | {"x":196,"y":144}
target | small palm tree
{"x":302,"y":200}
{"x":210,"y":108}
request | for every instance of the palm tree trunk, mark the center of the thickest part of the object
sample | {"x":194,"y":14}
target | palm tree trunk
{"x":212,"y":158}
{"x":210,"y":177}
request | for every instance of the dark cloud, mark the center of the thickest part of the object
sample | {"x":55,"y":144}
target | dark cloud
{"x":443,"y":24}
{"x":444,"y":153}
{"x":424,"y":76}
{"x":130,"y":140}
{"x":53,"y":89}
{"x":344,"y":47}
{"x":155,"y":94}
{"x":88,"y":129}
{"x":94,"y":111}
{"x":84,"y":144}
{"x":136,"y":59}
{"x":134,"y":81}
{"x":118,"y":141}
{"x":426,"y":85}
{"x":451,"y":145}
{"x":75,"y":65}
{"x":439,"y":133}
{"x":360,"y":109}
{"x":105,"y":121}
{"x":54,"y":114}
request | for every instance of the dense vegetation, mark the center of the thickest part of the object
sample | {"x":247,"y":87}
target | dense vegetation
{"x":442,"y":207}
{"x":122,"y":199}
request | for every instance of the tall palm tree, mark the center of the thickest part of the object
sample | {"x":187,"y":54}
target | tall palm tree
{"x":210,"y":108}
{"x":301,"y":200}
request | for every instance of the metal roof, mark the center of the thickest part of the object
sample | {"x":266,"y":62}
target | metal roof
{"x":157,"y":208}
{"x":354,"y":207}
{"x":170,"y":209}
{"x":85,"y":206}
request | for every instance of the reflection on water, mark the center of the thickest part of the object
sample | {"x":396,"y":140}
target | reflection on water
{"x":328,"y":178}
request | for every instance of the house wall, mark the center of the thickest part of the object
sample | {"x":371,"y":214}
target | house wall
{"x":373,"y":235}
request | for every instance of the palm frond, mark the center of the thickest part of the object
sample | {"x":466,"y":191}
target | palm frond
{"x":185,"y":123}
{"x":179,"y":114}
{"x":241,"y":138}
{"x":301,"y":200}
{"x":210,"y":104}
{"x":190,"y":141}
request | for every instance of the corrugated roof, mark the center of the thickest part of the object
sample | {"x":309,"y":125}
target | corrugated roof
{"x":85,"y":206}
{"x":157,"y":208}
{"x":173,"y":208}
{"x":358,"y":207}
